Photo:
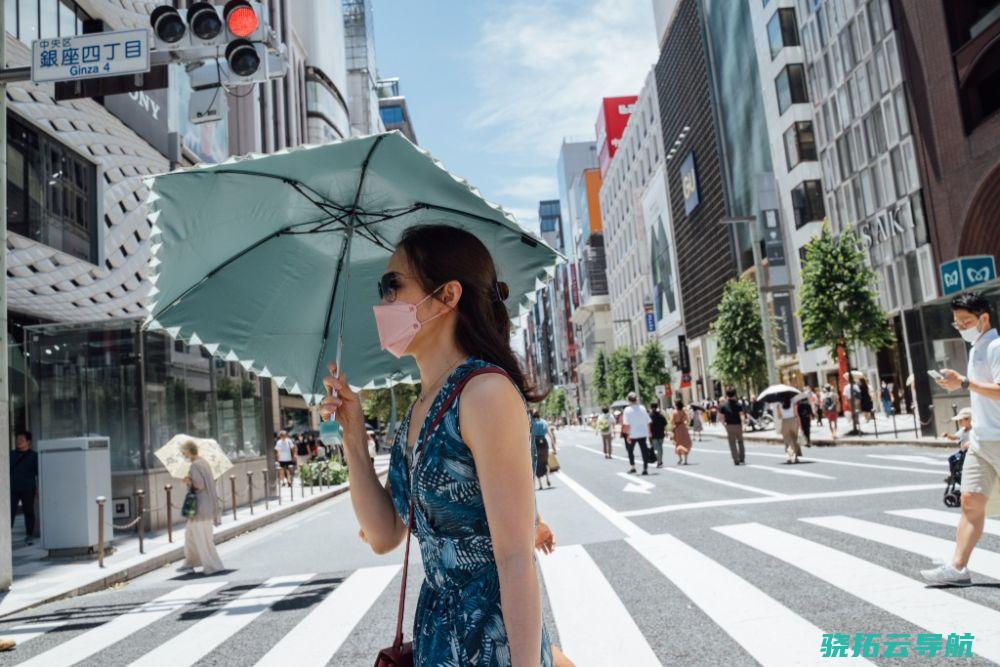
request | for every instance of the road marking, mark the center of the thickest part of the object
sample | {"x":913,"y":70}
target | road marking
{"x":321,"y":634}
{"x":933,"y":609}
{"x":771,"y":632}
{"x":28,"y":631}
{"x":93,"y":641}
{"x":830,"y":461}
{"x":636,"y":485}
{"x":789,"y":471}
{"x":992,"y":526}
{"x":982,"y":561}
{"x":201,"y":638}
{"x":594,"y":625}
{"x":879,"y":490}
{"x":615,"y":517}
{"x":907,"y":458}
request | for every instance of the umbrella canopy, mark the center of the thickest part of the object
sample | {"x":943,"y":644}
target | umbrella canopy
{"x":273,"y":261}
{"x":779,"y":393}
{"x":855,"y":374}
{"x":178,"y":466}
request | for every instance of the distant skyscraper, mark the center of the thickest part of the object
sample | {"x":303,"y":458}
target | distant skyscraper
{"x":362,"y":73}
{"x":393,"y":110}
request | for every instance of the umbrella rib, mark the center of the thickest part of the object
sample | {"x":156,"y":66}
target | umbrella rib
{"x":364,"y":172}
{"x":320,"y":202}
{"x":329,"y":309}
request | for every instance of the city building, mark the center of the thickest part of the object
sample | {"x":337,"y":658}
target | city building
{"x":362,"y":72}
{"x":319,"y":27}
{"x":868,"y":154}
{"x":540,"y":342}
{"x":392,"y":107}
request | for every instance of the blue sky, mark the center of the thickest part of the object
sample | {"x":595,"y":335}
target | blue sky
{"x":493,"y":87}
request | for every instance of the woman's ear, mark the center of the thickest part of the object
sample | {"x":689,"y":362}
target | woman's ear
{"x":451,"y":293}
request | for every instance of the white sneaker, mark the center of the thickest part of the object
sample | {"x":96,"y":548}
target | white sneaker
{"x":947,"y":574}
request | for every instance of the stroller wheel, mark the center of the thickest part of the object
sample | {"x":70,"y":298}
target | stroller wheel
{"x":952,"y":500}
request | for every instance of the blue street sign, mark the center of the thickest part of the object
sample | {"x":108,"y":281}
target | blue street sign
{"x":967,"y":272}
{"x":91,"y":55}
{"x":650,"y":322}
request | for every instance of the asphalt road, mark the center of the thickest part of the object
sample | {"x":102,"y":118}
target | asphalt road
{"x":705,"y":564}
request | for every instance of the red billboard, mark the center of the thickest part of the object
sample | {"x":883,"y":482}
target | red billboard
{"x":611,"y":121}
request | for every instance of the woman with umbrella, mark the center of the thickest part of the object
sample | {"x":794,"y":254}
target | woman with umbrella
{"x":442,"y":304}
{"x":786,"y":396}
{"x":199,"y":545}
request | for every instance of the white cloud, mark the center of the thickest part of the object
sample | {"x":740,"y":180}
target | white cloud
{"x":543,"y":66}
{"x":531,"y":187}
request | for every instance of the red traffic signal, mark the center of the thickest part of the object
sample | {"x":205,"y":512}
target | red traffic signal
{"x":241,"y":18}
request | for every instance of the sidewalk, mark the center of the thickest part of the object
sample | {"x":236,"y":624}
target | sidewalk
{"x":38,"y":580}
{"x":880,"y":431}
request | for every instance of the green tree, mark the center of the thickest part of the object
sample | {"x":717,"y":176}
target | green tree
{"x":652,"y":370}
{"x":602,"y":384}
{"x":839,"y":302}
{"x":377,"y":403}
{"x":555,"y":405}
{"x":739,"y":358}
{"x":620,"y":373}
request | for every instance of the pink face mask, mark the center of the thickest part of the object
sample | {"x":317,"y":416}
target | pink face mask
{"x":397,"y":324}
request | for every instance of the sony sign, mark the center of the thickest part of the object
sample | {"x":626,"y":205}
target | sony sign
{"x":146,"y":113}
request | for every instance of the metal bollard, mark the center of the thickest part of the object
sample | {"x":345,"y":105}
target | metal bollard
{"x":895,"y":433}
{"x":232,"y":489}
{"x":291,"y":488}
{"x":916,"y":426}
{"x":100,"y":530}
{"x":875,"y":422}
{"x":954,"y":410}
{"x":302,"y":486}
{"x":250,"y":490}
{"x":267,"y":490}
{"x":140,"y":524}
{"x":170,"y":513}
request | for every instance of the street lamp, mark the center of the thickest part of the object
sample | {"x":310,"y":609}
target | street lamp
{"x":631,"y":349}
{"x":772,"y":374}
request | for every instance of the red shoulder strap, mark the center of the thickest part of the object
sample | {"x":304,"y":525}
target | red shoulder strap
{"x":451,"y":398}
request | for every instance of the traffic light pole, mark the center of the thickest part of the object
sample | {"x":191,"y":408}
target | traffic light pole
{"x":6,"y":547}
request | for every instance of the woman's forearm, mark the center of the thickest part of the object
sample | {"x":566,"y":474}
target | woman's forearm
{"x":521,"y":603}
{"x":372,"y":503}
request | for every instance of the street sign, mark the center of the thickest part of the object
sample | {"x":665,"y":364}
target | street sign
{"x":90,"y":56}
{"x":661,"y":391}
{"x":650,"y":317}
{"x":967,"y":272}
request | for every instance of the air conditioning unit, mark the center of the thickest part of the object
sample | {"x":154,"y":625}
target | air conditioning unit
{"x":72,"y":473}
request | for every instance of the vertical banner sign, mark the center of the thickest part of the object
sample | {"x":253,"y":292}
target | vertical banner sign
{"x":689,"y":184}
{"x":683,"y":355}
{"x":786,"y":327}
{"x":650,"y":317}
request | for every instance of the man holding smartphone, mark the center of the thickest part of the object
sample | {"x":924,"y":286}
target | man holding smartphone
{"x":971,"y":314}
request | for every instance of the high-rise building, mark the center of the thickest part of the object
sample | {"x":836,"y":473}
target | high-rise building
{"x":392,"y":107}
{"x":319,"y":25}
{"x":362,"y":72}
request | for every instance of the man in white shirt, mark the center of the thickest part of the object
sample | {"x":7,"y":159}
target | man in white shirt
{"x":284,"y":454}
{"x":971,"y":314}
{"x":636,"y":420}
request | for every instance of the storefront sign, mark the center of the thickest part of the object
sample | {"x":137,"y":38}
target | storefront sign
{"x":884,"y":227}
{"x":89,"y":56}
{"x":774,"y":246}
{"x":650,"y":317}
{"x":683,"y":356}
{"x":689,"y":184}
{"x":611,"y":122}
{"x":783,"y":316}
{"x":145,"y":112}
{"x":967,"y":272}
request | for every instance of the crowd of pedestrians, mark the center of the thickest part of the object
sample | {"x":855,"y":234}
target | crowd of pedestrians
{"x":291,"y":452}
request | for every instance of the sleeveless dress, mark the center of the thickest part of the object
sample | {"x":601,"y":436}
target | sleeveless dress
{"x":458,"y":616}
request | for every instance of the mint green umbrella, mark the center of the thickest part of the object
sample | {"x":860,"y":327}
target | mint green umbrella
{"x":273,"y":261}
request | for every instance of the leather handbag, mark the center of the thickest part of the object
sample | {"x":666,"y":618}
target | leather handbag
{"x":400,"y":654}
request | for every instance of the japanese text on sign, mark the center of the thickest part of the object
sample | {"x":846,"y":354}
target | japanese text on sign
{"x":89,"y":56}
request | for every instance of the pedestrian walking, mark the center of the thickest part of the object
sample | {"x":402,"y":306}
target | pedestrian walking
{"x":696,"y":424}
{"x":657,"y":432}
{"x":734,"y":418}
{"x":636,"y":419}
{"x":302,"y":452}
{"x":539,"y":433}
{"x":790,"y":431}
{"x":972,"y":319}
{"x":804,"y":412}
{"x":605,"y":426}
{"x":284,"y":454}
{"x":199,"y":543}
{"x":865,"y":399}
{"x":319,"y":450}
{"x":885,"y":394}
{"x":24,"y":482}
{"x":682,"y":438}
{"x":468,"y":429}
{"x":828,"y":402}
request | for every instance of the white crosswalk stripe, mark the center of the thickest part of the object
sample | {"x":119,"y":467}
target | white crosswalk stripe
{"x":318,"y":636}
{"x":789,"y":471}
{"x":87,"y":644}
{"x":992,"y":526}
{"x":982,"y":561}
{"x":198,"y":640}
{"x":593,"y":623}
{"x":934,"y":609}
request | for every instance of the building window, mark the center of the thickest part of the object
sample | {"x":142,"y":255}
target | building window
{"x":51,"y":192}
{"x":807,"y":202}
{"x":29,"y":20}
{"x":791,"y":87}
{"x":782,"y":31}
{"x":800,"y":143}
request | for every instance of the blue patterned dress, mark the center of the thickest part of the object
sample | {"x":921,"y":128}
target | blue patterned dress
{"x":458,"y":620}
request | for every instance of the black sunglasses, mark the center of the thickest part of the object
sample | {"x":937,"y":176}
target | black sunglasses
{"x":388,"y":285}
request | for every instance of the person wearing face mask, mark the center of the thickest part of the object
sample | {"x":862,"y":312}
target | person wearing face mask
{"x":971,"y":314}
{"x":462,"y":461}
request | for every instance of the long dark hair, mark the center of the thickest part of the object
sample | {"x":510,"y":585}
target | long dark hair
{"x":440,"y":253}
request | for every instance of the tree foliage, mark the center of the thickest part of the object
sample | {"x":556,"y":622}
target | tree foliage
{"x":620,"y":373}
{"x":602,"y":384}
{"x":377,"y":403}
{"x":740,"y":356}
{"x":652,"y":370}
{"x":555,"y":405}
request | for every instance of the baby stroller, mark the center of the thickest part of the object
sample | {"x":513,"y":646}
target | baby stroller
{"x":952,"y":492}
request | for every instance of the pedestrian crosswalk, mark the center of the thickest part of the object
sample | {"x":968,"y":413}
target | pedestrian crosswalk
{"x":597,"y":614}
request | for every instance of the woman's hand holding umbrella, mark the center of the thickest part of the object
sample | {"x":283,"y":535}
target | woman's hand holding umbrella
{"x":344,"y":405}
